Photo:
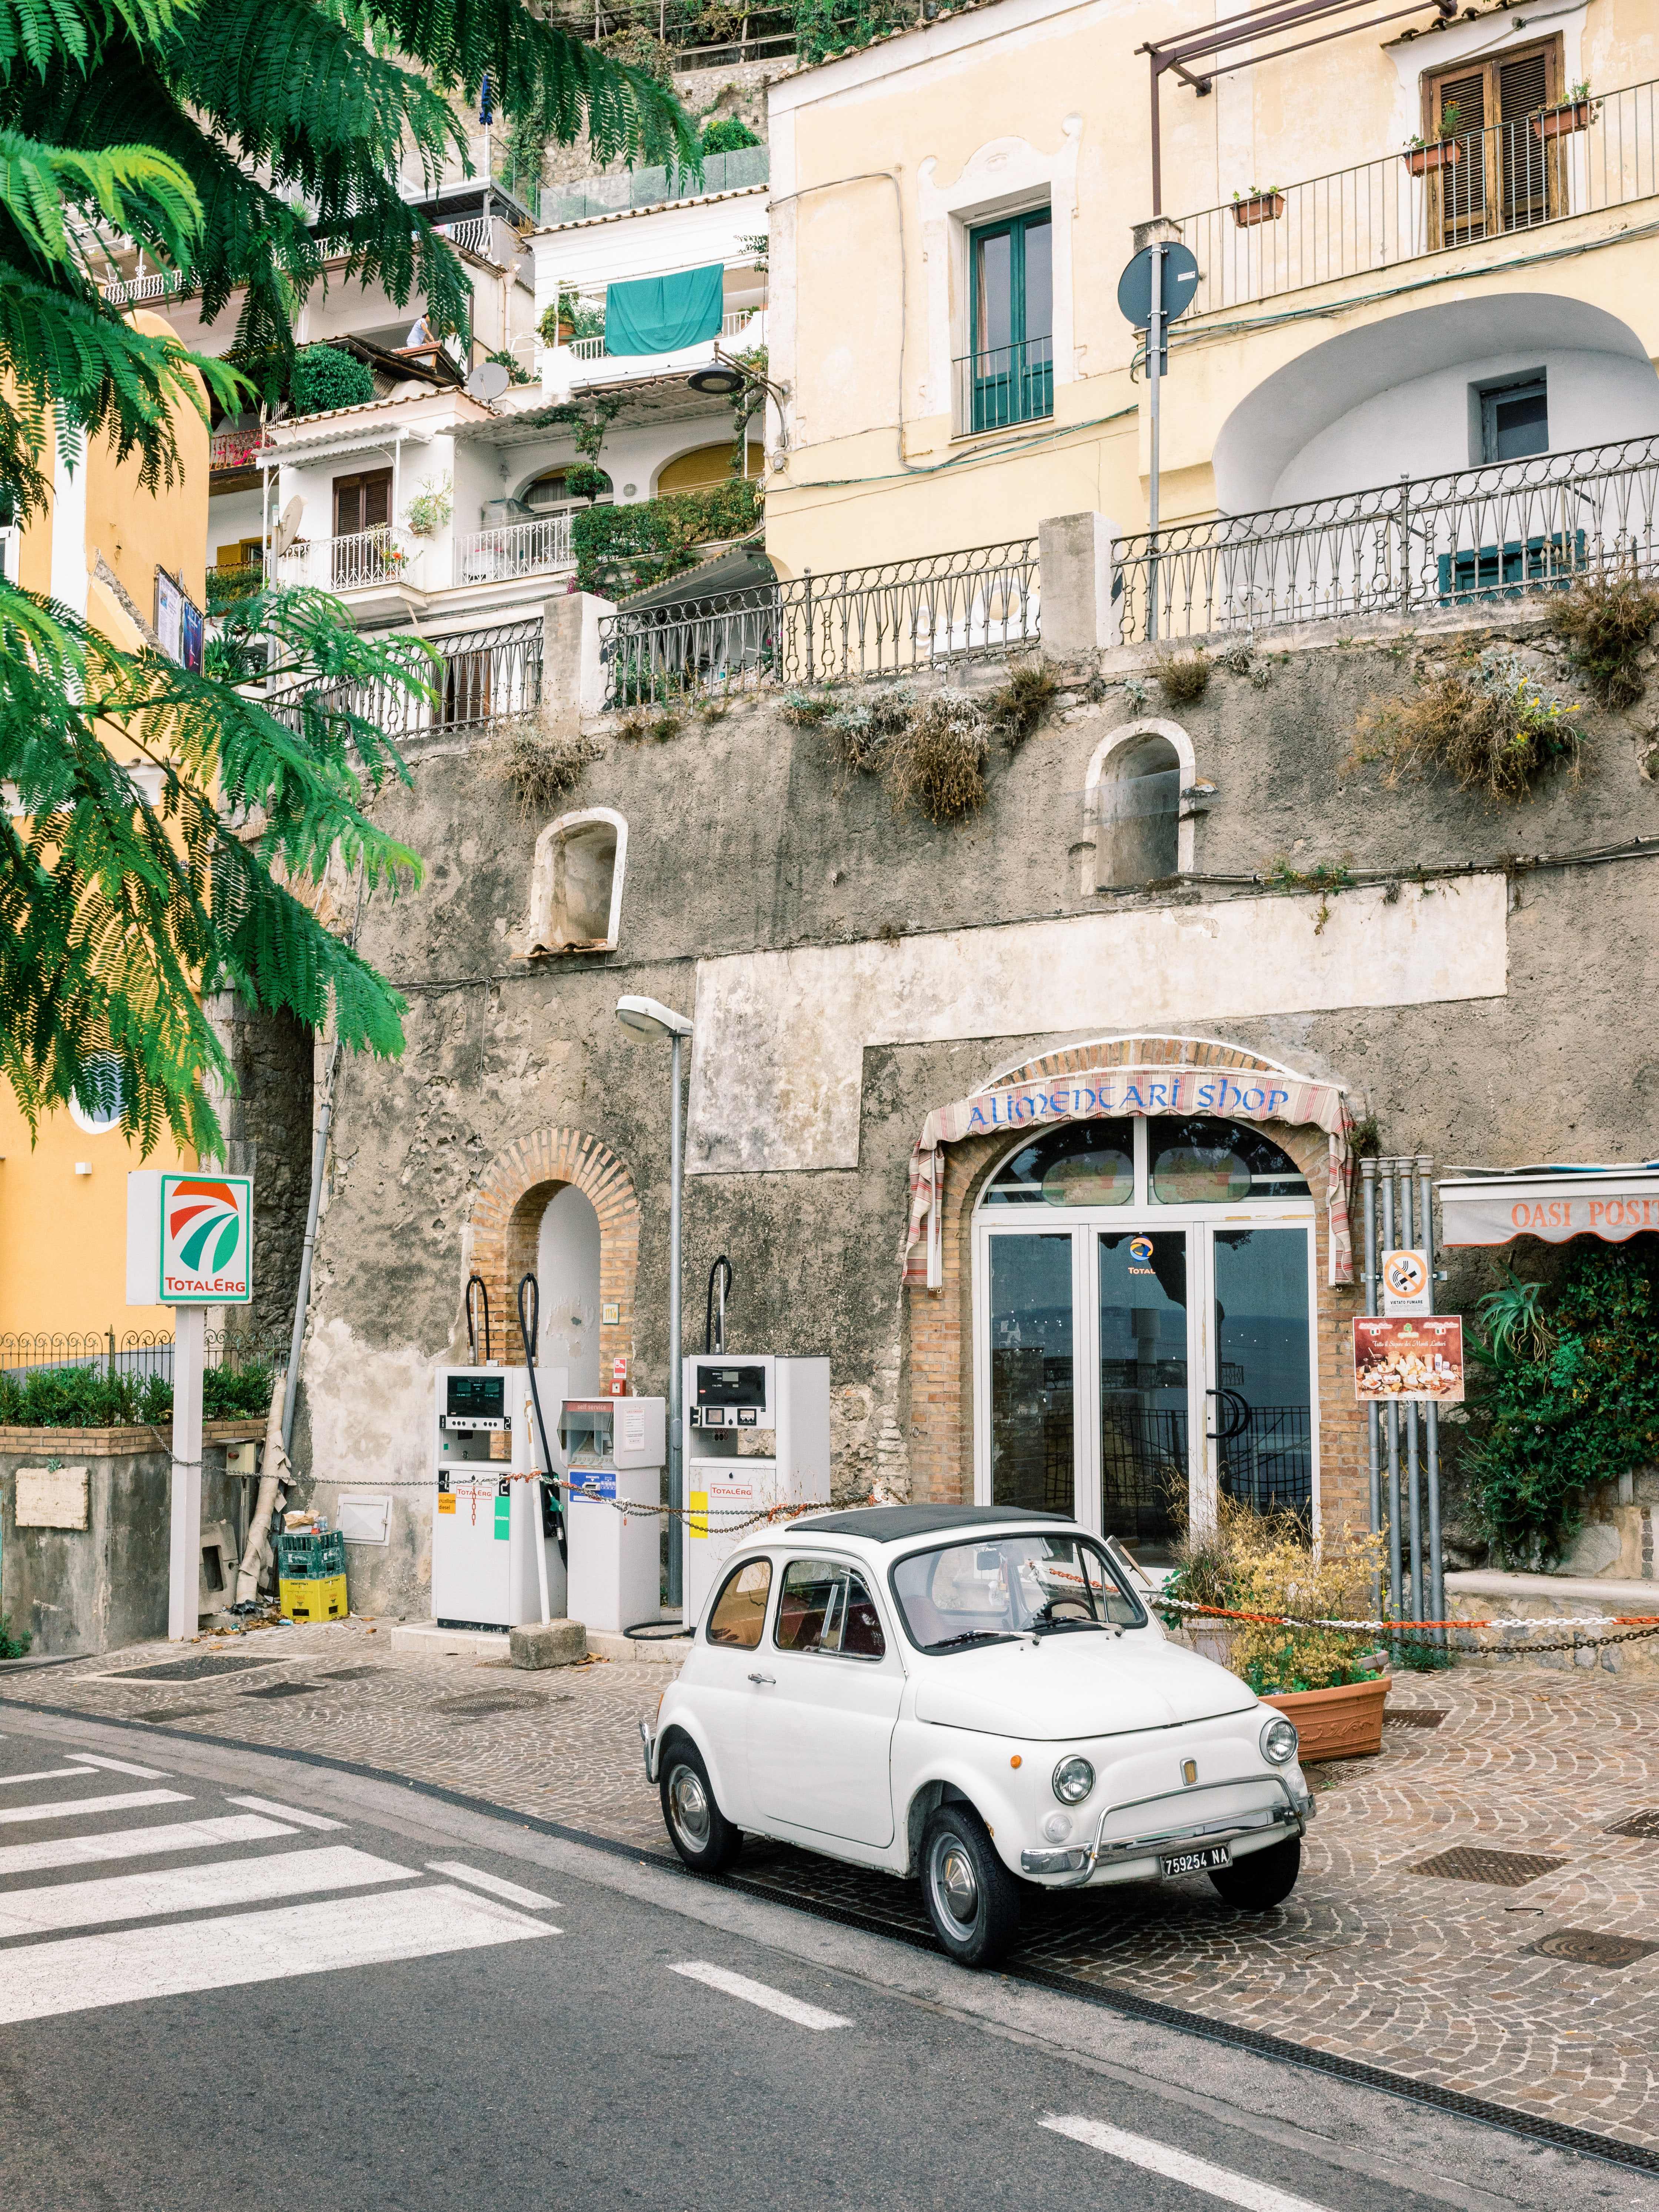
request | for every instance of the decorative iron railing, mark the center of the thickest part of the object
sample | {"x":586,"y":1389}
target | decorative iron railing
{"x":475,"y":233}
{"x":485,"y":677}
{"x":225,"y":587}
{"x":1491,"y":533}
{"x":1580,"y":158}
{"x":153,"y":284}
{"x":387,"y":555}
{"x":519,"y":548}
{"x":895,"y":620}
{"x":735,"y":325}
{"x":235,"y":449}
{"x":1000,"y":385}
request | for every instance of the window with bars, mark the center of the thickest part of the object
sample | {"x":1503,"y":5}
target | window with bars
{"x":1500,"y":173}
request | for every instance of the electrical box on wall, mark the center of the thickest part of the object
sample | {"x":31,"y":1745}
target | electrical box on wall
{"x":487,"y":1517}
{"x":733,"y":1400}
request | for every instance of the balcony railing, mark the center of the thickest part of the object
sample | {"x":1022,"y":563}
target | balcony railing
{"x":1425,"y":543}
{"x":226,"y":585}
{"x":519,"y":548}
{"x":388,"y":554}
{"x":732,"y":326}
{"x":1002,"y":385}
{"x":234,"y":449}
{"x":742,"y":169}
{"x":896,"y":620}
{"x":486,"y":678}
{"x":1578,"y":159}
{"x":475,"y":232}
{"x":155,"y":284}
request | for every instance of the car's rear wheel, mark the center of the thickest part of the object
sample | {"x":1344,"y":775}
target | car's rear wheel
{"x":972,"y":1899}
{"x":1265,"y":1879}
{"x":698,"y":1828}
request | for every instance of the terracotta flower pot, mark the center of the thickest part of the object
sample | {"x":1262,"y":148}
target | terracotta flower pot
{"x":1258,"y":207}
{"x":1557,"y":122}
{"x":1442,"y":154}
{"x":1341,"y":1723}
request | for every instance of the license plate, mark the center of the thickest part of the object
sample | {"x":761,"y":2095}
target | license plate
{"x":1212,"y":1855}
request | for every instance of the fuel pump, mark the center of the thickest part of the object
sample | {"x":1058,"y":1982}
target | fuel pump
{"x":612,"y":1450}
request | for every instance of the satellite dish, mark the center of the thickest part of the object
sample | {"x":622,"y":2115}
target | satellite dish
{"x":288,"y":528}
{"x":488,"y":380}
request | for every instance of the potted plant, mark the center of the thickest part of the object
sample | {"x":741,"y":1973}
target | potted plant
{"x":431,"y":507}
{"x":1261,"y":1565}
{"x":1261,"y":204}
{"x":1424,"y":155}
{"x":1577,"y":112}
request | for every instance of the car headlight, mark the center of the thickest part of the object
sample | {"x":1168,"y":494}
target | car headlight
{"x":1057,"y":1827}
{"x":1074,"y":1778}
{"x":1279,"y":1740}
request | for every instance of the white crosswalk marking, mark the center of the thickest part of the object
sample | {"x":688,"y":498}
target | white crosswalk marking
{"x":128,"y":1801}
{"x":1177,"y":2165}
{"x":78,"y":1973}
{"x":758,"y":1993}
{"x":192,"y":1889}
{"x":285,"y":1811}
{"x":137,"y":1843}
{"x":119,"y":1766}
{"x":510,"y":1890}
{"x":43,"y":1774}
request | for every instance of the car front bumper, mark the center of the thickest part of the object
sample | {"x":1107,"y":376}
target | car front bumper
{"x":650,"y":1744}
{"x":1072,"y":1868}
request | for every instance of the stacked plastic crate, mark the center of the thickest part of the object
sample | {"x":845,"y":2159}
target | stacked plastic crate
{"x":311,"y":1575}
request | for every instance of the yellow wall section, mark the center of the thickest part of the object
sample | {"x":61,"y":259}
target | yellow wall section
{"x":708,"y":464}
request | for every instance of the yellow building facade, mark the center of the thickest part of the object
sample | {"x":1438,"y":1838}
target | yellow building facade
{"x":98,"y":548}
{"x":952,"y":209}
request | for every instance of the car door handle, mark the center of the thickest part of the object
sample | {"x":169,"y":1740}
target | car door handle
{"x":763,"y":1678}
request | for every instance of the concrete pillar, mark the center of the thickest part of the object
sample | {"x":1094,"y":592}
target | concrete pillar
{"x":573,"y":674}
{"x":1079,"y":614}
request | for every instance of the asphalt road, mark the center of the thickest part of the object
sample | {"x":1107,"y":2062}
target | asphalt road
{"x":234,"y":1979}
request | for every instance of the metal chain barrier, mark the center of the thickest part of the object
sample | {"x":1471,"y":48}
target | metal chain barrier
{"x":1636,"y":1626}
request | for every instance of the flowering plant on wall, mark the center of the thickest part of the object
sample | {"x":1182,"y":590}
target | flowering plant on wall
{"x":431,"y":507}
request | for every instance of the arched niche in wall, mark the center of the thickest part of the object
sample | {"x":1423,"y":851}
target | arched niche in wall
{"x":1132,"y":801}
{"x":1400,"y":397}
{"x":576,"y":884}
{"x":567,"y":1287}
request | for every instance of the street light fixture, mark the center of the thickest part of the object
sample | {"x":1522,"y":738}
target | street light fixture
{"x":650,"y":1021}
{"x":728,"y":376}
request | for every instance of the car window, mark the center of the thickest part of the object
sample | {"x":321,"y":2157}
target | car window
{"x":740,"y":1609}
{"x":826,"y":1606}
{"x":1022,"y":1584}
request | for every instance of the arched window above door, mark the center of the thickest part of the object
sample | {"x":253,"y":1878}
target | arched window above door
{"x":1194,"y":1160}
{"x":1200,"y":1161}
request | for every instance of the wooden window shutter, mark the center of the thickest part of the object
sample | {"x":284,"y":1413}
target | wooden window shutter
{"x":1506,"y":177}
{"x":377,"y":500}
{"x":362,"y":502}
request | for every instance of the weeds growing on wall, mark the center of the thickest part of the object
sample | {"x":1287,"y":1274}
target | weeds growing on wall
{"x":539,"y":770}
{"x":1491,"y":725}
{"x":1183,"y":676}
{"x":1606,"y":620}
{"x":12,"y":1647}
{"x":1017,"y":707}
{"x":1572,"y":1399}
{"x":928,"y":748}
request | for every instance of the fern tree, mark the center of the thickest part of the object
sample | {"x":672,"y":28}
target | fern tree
{"x":243,"y":143}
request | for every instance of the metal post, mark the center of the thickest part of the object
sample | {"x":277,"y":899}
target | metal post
{"x":185,"y":1504}
{"x":1405,"y":544}
{"x":1436,"y":1564}
{"x":1387,"y":1167}
{"x":806,"y":582}
{"x":318,"y":1156}
{"x":1154,"y":362}
{"x":676,"y":1487}
{"x":1414,"y":1482}
{"x":1373,"y":1412}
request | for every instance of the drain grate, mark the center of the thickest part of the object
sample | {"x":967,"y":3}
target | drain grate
{"x":1414,"y":1716}
{"x":283,"y":1690}
{"x":472,"y":1709}
{"x":202,"y":1669}
{"x":1590,"y":1947}
{"x":1639,"y":1824}
{"x":1473,"y":1862}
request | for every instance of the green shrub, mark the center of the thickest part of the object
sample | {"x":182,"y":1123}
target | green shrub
{"x":227,"y":1393}
{"x":324,"y":376}
{"x":12,"y":1647}
{"x":728,"y":134}
{"x":824,"y":28}
{"x":86,"y":1398}
{"x":621,"y":550}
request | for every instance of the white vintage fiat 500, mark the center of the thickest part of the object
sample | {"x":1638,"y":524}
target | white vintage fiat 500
{"x":976,"y":1696}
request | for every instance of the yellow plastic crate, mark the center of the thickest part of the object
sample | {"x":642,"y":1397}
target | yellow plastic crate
{"x":321,"y":1597}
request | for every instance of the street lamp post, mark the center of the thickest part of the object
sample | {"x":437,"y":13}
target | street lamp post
{"x":645,"y":1017}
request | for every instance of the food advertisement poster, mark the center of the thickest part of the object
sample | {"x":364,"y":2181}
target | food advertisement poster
{"x":1415,"y":1359}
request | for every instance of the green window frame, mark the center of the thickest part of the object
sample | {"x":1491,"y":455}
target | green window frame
{"x":1008,"y":375}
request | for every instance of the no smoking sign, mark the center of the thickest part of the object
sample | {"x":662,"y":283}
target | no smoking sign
{"x":1405,"y":1283}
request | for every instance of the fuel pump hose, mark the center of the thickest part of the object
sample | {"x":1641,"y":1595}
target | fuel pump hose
{"x":528,"y":1331}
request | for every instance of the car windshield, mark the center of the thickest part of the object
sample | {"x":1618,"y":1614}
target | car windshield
{"x":1022,"y":1584}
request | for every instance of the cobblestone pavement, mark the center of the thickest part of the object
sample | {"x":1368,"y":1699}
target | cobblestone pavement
{"x":1469,"y":1984}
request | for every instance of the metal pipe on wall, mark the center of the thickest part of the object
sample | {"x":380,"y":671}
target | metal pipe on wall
{"x":1394,"y":1419}
{"x":1373,"y":1412}
{"x":1413,"y":1469}
{"x":1437,"y":1563}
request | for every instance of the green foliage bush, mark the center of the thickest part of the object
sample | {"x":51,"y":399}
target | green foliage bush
{"x":621,"y":550}
{"x":324,"y":377}
{"x":1572,"y":1399}
{"x":85,"y":1398}
{"x":825,"y":27}
{"x":12,"y":1647}
{"x":727,"y":134}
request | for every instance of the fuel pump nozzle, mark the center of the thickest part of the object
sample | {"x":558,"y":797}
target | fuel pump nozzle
{"x":552,"y":1518}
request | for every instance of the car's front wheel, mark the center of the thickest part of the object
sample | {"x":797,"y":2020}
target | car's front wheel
{"x":1265,"y":1879}
{"x":972,"y":1899}
{"x":698,"y":1828}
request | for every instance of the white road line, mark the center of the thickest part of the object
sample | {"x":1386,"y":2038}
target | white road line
{"x":117,"y":1765}
{"x":137,"y":1843}
{"x":80,"y":1973}
{"x":66,"y":1809}
{"x":192,"y":1889}
{"x":285,"y":1811}
{"x":43,"y":1774}
{"x":493,"y":1884}
{"x":756,"y":1993}
{"x":1177,"y":2165}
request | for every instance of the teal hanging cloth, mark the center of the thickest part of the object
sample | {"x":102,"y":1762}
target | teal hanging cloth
{"x":661,"y":314}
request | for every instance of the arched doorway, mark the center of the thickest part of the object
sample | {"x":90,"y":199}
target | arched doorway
{"x":1144,"y":1294}
{"x":567,"y":1283}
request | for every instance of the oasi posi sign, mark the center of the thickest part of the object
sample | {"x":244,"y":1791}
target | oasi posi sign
{"x":190,"y":1239}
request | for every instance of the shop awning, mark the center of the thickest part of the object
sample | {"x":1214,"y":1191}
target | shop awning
{"x":1553,"y":1203}
{"x":661,"y":314}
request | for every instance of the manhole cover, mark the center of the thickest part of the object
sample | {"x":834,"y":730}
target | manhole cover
{"x":1471,"y":1863}
{"x":1588,"y":1947}
{"x":283,"y":1690}
{"x":202,"y":1669}
{"x":1412,"y":1717}
{"x":1639,"y":1824}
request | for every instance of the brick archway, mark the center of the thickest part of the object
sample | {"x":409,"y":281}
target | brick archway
{"x":506,"y":1222}
{"x":941,"y":1322}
